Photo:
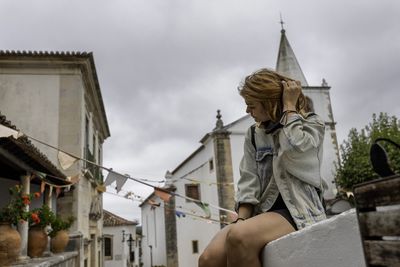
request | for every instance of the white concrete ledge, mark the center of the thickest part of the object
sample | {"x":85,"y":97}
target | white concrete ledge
{"x":62,"y":259}
{"x":330,"y":243}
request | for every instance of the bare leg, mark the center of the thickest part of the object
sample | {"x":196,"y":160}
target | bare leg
{"x":215,"y":253}
{"x":246,"y":239}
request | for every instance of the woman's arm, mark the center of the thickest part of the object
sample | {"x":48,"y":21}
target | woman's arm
{"x":301,"y":135}
{"x":245,"y":210}
{"x":248,"y":187}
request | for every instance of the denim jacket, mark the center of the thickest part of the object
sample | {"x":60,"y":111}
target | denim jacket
{"x":288,"y":161}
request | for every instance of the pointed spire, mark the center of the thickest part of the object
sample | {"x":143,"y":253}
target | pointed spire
{"x":287,"y":63}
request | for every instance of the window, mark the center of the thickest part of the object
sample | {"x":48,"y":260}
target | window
{"x":108,"y":247}
{"x":192,"y":191}
{"x":99,"y":156}
{"x":211,"y":164}
{"x":195,"y":246}
{"x":86,"y":141}
{"x":94,"y":147}
{"x":86,"y":132}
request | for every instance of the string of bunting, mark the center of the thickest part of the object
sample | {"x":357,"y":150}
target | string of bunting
{"x":190,"y":172}
{"x":179,"y":213}
{"x":42,"y":177}
{"x":66,"y":160}
{"x":208,"y":182}
{"x":153,"y":204}
{"x":117,"y":195}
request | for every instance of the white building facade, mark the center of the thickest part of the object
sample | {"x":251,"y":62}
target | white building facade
{"x":56,"y":98}
{"x":120,"y":243}
{"x":154,"y":234}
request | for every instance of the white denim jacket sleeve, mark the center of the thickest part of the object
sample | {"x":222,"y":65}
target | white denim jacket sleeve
{"x":248,"y":190}
{"x":301,"y":141}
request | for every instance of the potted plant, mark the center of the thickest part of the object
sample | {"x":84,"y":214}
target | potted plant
{"x":59,"y":233}
{"x":40,"y":220}
{"x":10,"y":215}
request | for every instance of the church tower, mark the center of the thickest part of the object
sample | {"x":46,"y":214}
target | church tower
{"x":319,"y":102}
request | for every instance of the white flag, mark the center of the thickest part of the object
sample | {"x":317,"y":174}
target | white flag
{"x":65,"y":160}
{"x":119,"y":178}
{"x":6,"y":132}
{"x":73,"y":179}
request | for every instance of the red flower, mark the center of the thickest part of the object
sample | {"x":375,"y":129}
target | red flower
{"x":26,"y":200}
{"x":37,"y":195}
{"x":35,"y":218}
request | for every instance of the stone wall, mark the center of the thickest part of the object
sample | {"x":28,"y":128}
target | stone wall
{"x":224,"y":172}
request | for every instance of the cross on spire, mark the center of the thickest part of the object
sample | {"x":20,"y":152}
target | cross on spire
{"x":281,"y":22}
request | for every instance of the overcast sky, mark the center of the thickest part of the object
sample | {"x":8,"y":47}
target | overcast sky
{"x":166,"y":66}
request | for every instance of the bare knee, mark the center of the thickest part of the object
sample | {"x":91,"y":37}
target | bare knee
{"x":203,"y":259}
{"x":237,"y":238}
{"x":207,"y":259}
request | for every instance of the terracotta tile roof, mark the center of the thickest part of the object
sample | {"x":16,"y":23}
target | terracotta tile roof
{"x":23,"y":149}
{"x":110,"y":219}
{"x":43,"y":53}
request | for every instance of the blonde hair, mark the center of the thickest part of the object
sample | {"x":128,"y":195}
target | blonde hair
{"x":265,"y":86}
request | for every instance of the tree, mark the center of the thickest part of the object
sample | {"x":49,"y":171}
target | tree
{"x":355,"y":166}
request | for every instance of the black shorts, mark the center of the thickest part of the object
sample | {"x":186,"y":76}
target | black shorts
{"x":280,"y":208}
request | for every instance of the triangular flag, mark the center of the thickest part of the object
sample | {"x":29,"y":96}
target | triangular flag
{"x":42,"y":187}
{"x":205,"y":208}
{"x":50,"y":191}
{"x":66,"y":160}
{"x":129,"y":195}
{"x":41,"y":175}
{"x":119,"y":178}
{"x":162,"y":194}
{"x":58,"y":191}
{"x":109,"y":179}
{"x":232,"y":216}
{"x":180,"y":213}
{"x":153,"y":203}
{"x":6,"y":132}
{"x":73,"y":179}
{"x":101,"y":188}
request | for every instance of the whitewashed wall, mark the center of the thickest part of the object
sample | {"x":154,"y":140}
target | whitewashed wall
{"x":185,"y":226}
{"x":31,"y":102}
{"x":153,"y":231}
{"x":120,"y":250}
{"x":330,"y":243}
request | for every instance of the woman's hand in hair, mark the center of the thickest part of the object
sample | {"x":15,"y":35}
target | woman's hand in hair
{"x":291,"y":93}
